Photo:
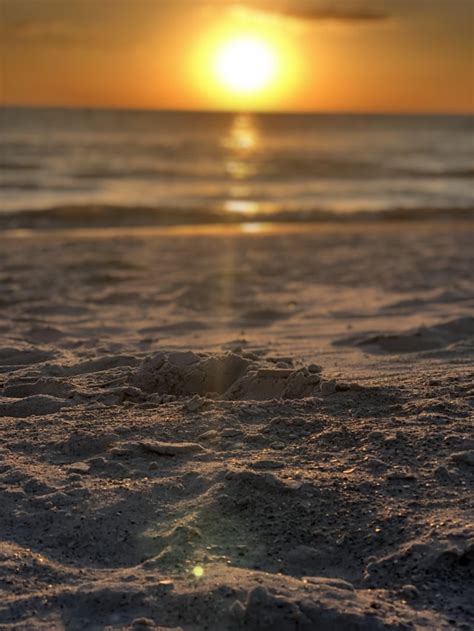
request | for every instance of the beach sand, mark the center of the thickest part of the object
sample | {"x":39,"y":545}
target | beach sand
{"x":238,"y":428}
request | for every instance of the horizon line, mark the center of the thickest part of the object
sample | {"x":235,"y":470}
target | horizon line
{"x":182,"y":110}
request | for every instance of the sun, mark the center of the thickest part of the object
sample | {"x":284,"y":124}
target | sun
{"x":242,"y":66}
{"x":246,"y":65}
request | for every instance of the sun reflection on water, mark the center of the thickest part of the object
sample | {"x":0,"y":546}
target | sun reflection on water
{"x":242,"y":206}
{"x":242,"y":145}
{"x":254,"y":227}
{"x":243,"y":135}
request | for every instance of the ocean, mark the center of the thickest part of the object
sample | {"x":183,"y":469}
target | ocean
{"x":220,"y":167}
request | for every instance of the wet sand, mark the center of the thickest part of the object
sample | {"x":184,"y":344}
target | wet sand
{"x":238,"y":428}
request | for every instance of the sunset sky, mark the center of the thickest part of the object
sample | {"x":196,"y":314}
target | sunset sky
{"x":295,"y":55}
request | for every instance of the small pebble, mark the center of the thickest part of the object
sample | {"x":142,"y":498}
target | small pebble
{"x":328,"y":387}
{"x":143,"y":623}
{"x":209,"y":435}
{"x":170,"y":449}
{"x":79,"y":467}
{"x":231,"y":432}
{"x":120,"y":451}
{"x":409,"y":592}
{"x":194,"y":404}
{"x":267,"y":464}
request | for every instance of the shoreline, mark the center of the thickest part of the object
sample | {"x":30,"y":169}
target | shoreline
{"x":240,"y":228}
{"x":122,"y":217}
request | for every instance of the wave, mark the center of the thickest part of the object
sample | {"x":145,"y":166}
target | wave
{"x":107,"y":174}
{"x":18,"y":166}
{"x":85,"y":180}
{"x":20,"y":186}
{"x":442,"y":173}
{"x":27,"y":185}
{"x":94,"y":216}
{"x":469,"y":173}
{"x":274,"y":171}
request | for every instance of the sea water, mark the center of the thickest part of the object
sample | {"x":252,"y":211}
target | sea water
{"x":192,"y":166}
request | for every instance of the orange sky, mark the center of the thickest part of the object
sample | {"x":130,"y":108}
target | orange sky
{"x":338,"y":55}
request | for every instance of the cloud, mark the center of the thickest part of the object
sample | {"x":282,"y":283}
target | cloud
{"x":68,"y":31}
{"x":317,"y":11}
{"x":55,"y":32}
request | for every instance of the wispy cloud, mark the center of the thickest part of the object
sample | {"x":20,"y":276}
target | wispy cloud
{"x":317,"y":11}
{"x":56,"y":32}
{"x":68,"y":31}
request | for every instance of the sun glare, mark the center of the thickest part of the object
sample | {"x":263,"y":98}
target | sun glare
{"x":239,"y":66}
{"x":246,"y":65}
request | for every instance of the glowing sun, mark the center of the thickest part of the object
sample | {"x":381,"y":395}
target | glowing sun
{"x":246,"y":65}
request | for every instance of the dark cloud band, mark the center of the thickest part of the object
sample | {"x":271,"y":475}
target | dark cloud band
{"x":320,"y":11}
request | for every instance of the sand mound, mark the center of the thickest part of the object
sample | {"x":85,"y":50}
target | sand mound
{"x":225,"y":599}
{"x":37,"y":405}
{"x":46,"y":386}
{"x":100,"y":364}
{"x":12,"y":357}
{"x":419,"y":561}
{"x":416,"y":340}
{"x":187,"y":373}
{"x":229,"y":375}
